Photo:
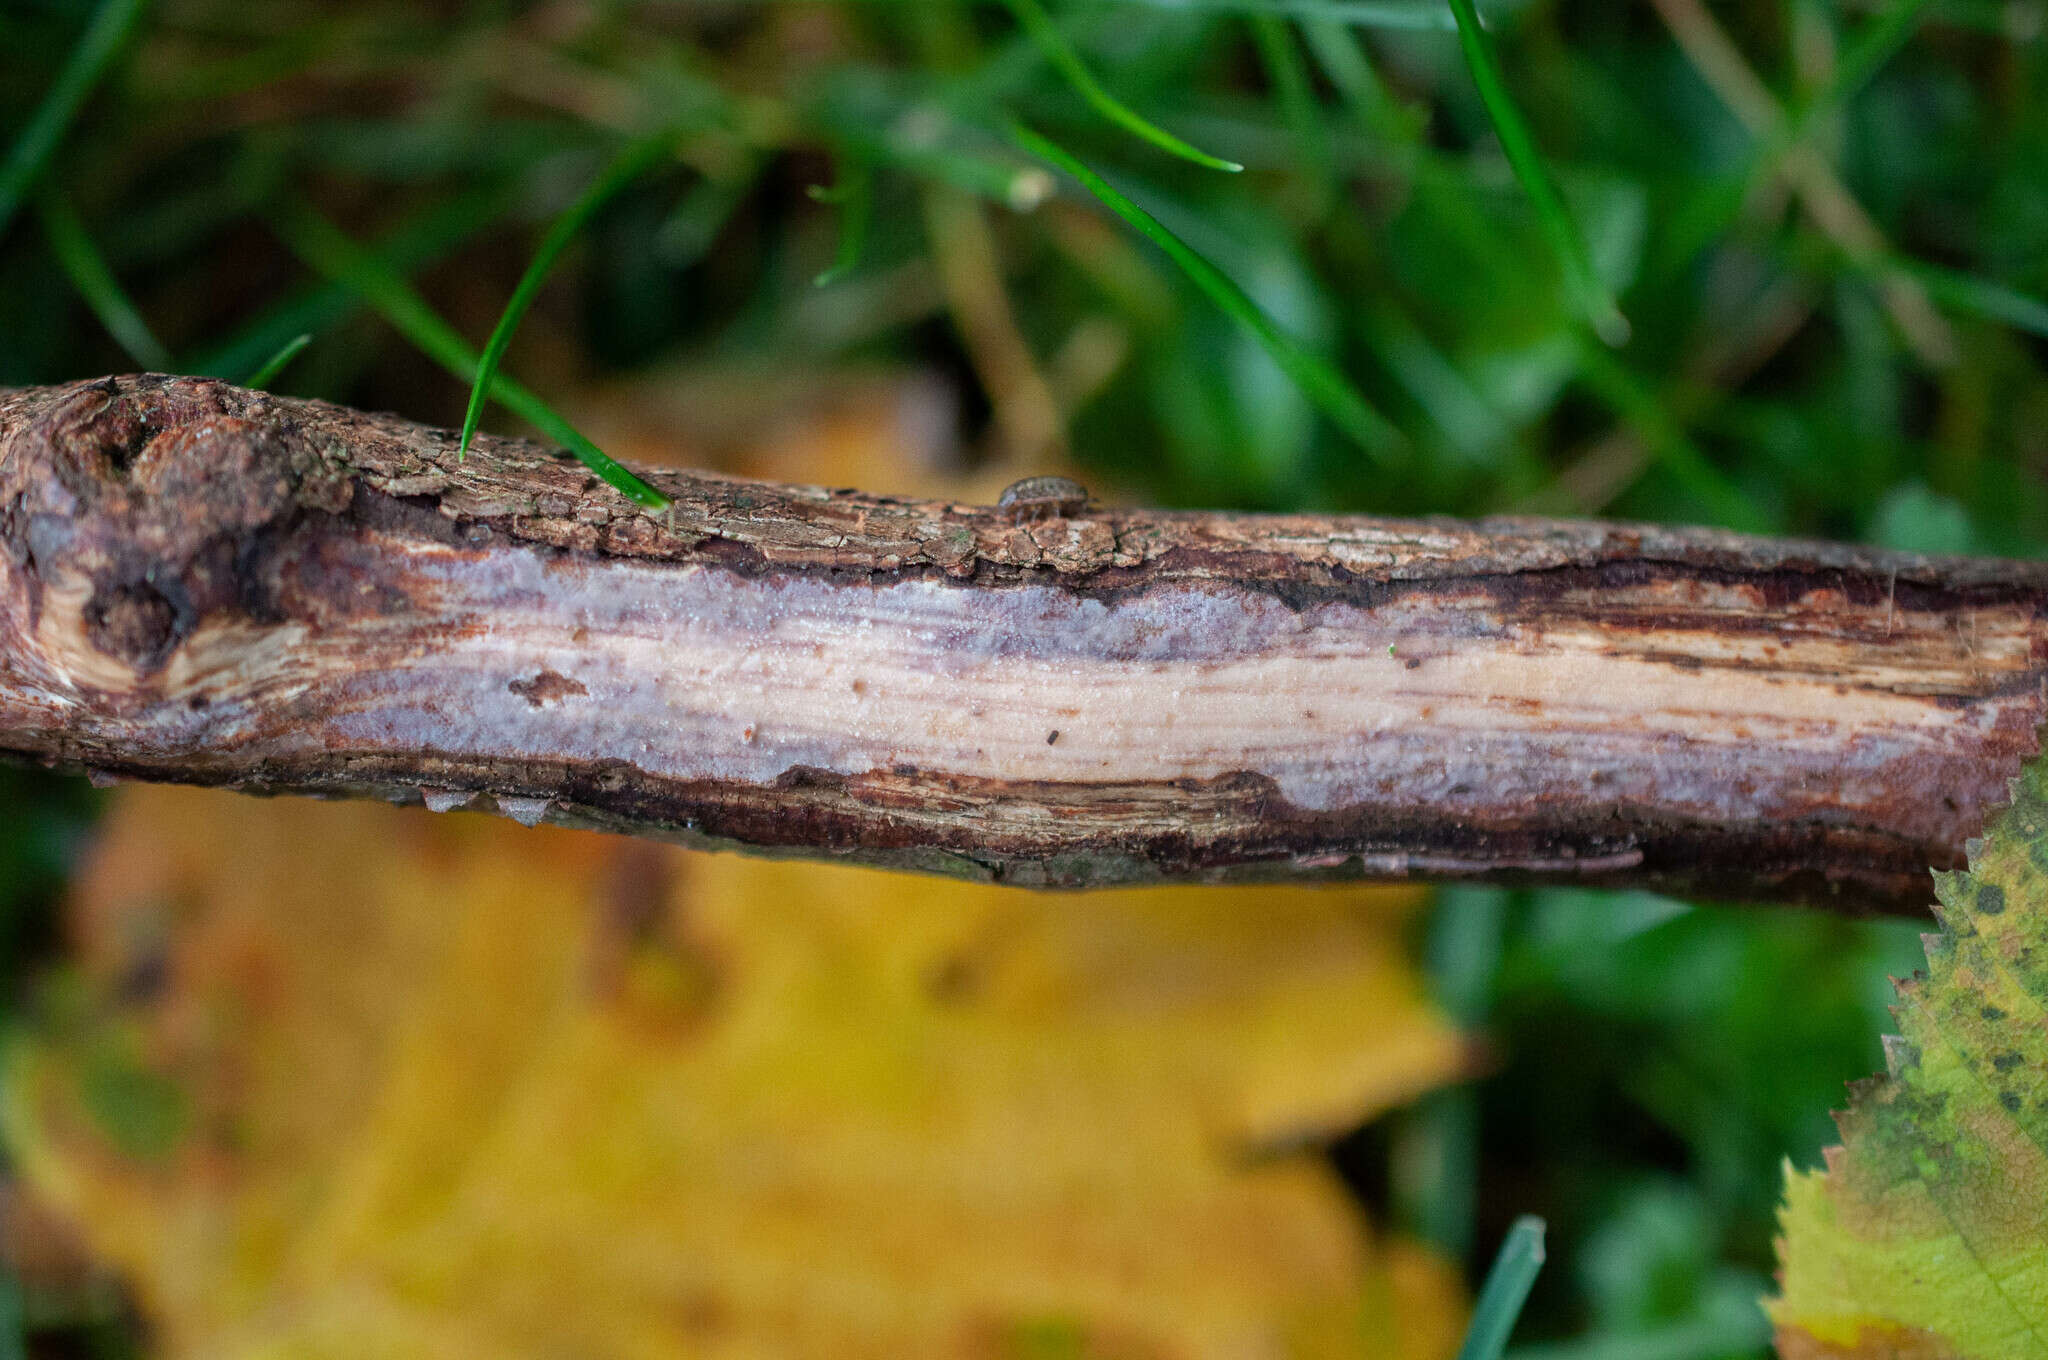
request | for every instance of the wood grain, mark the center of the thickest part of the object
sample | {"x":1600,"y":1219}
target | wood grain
{"x":210,"y":585}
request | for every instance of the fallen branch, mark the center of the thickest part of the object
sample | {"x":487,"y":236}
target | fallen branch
{"x":215,"y":586}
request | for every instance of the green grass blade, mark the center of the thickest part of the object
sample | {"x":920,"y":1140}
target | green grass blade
{"x":1291,"y":84}
{"x":1343,"y":62}
{"x":97,"y":47}
{"x":1031,"y":16}
{"x":627,"y":167}
{"x":701,"y":215}
{"x":1962,"y":292}
{"x":1506,"y":1290}
{"x":1589,"y":295}
{"x":1398,"y":14}
{"x":89,"y":273}
{"x":1706,"y":212}
{"x":1876,"y":44}
{"x":330,"y":251}
{"x":1682,"y":459}
{"x":1323,"y":385}
{"x":854,"y":192}
{"x":275,"y":364}
{"x":418,"y":241}
{"x":13,"y":1322}
{"x":1434,"y":1166}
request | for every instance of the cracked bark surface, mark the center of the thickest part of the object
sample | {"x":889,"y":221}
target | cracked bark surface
{"x":209,"y":585}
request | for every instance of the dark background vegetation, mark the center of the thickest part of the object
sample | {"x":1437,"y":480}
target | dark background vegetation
{"x":1824,"y":220}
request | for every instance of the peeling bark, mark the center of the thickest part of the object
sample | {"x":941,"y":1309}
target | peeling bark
{"x":215,"y":586}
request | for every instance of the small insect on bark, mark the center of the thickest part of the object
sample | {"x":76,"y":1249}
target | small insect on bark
{"x":1036,"y":498}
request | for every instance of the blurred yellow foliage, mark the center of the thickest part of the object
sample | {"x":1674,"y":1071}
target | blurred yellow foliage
{"x":352,"y":1080}
{"x":355,"y":1081}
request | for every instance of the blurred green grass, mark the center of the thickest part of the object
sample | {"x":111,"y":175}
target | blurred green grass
{"x":1825,"y":220}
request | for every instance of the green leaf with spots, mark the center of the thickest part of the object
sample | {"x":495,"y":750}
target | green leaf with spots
{"x":1926,"y":1235}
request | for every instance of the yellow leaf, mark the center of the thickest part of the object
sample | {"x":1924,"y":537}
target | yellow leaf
{"x":348,"y":1080}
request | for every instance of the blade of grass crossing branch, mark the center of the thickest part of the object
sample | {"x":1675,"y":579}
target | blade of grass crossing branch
{"x":329,"y":251}
{"x":1031,"y":16}
{"x":1590,"y":296}
{"x":97,"y":47}
{"x":854,"y":192}
{"x":275,"y":364}
{"x":1506,"y":1290}
{"x":1326,"y":387}
{"x":415,"y":242}
{"x":627,"y":167}
{"x":89,"y":273}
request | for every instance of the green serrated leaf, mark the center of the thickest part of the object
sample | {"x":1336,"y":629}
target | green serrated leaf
{"x":1927,"y":1232}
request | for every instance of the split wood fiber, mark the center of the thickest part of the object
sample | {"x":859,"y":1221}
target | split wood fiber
{"x":216,"y":586}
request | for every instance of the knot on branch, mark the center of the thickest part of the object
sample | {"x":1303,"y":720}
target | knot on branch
{"x":132,"y":507}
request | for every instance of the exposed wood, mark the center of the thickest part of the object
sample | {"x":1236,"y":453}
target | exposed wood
{"x":209,"y":585}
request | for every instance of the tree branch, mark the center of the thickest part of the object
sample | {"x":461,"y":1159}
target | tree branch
{"x":209,"y":585}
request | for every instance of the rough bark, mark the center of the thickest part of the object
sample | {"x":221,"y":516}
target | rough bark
{"x":210,"y":585}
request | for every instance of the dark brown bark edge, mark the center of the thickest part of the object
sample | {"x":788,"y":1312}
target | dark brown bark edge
{"x":209,"y":585}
